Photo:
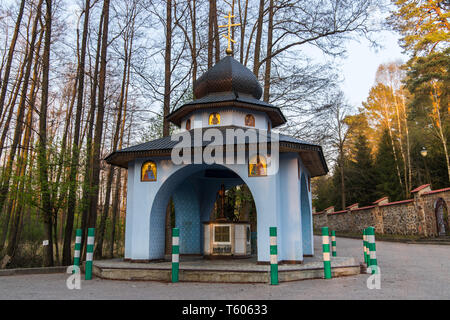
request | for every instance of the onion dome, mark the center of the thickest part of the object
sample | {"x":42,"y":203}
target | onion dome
{"x":228,"y":75}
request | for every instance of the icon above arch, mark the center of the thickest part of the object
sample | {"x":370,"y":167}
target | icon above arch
{"x":257,"y":166}
{"x":148,"y":171}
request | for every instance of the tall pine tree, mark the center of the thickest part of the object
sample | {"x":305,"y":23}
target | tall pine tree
{"x":386,"y":181}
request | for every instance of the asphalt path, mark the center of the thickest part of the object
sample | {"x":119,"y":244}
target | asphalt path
{"x":408,"y":271}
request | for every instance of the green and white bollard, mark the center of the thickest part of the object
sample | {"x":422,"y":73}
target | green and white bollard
{"x":89,"y":253}
{"x":273,"y":256}
{"x":326,"y":253}
{"x":372,"y":250}
{"x":333,"y":243}
{"x":175,"y":254}
{"x":76,"y":255}
{"x":365,"y":246}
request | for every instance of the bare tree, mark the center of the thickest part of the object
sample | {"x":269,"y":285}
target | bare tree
{"x":75,"y":145}
{"x":5,"y":78}
{"x":99,"y":122}
{"x":42,"y":150}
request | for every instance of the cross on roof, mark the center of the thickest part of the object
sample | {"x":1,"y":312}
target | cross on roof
{"x":229,"y":25}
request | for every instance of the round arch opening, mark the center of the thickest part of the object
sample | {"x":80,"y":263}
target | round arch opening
{"x":189,"y":199}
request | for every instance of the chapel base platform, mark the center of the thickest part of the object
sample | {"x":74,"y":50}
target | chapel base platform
{"x":197,"y":269}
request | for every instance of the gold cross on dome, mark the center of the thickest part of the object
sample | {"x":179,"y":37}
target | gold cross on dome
{"x":229,"y":25}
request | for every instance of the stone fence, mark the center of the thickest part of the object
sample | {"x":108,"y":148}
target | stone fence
{"x":417,"y":216}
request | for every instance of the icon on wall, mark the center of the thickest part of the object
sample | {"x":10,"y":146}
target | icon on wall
{"x":148,"y":171}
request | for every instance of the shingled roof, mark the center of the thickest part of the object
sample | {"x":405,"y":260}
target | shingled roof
{"x":311,"y":154}
{"x":228,"y":84}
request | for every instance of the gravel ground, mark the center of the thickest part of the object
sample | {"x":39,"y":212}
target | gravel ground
{"x":408,"y":271}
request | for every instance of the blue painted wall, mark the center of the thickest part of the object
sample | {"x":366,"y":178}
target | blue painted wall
{"x":186,"y":199}
{"x":277,"y":199}
{"x":290,"y":229}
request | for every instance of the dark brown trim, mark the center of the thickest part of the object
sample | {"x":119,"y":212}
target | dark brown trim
{"x":121,"y":158}
{"x":275,"y":115}
{"x":144,"y":260}
{"x":291,"y":262}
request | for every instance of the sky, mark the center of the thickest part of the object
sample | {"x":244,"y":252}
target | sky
{"x":358,"y":67}
{"x":361,"y":64}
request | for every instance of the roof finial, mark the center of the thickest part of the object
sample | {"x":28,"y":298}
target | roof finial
{"x":229,"y":51}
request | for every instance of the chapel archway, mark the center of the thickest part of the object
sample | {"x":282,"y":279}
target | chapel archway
{"x":193,"y":203}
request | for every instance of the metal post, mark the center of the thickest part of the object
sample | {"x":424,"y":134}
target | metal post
{"x":89,"y":253}
{"x":175,"y":254}
{"x":326,"y":253}
{"x":366,"y":260}
{"x":372,"y":250}
{"x":76,"y":255}
{"x":273,"y":256}
{"x":333,"y":243}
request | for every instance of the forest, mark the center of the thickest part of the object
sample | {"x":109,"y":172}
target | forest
{"x":80,"y":79}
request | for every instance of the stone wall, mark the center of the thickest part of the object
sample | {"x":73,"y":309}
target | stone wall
{"x":408,"y":217}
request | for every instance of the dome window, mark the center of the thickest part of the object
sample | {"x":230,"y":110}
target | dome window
{"x":249,"y":120}
{"x":214,"y":119}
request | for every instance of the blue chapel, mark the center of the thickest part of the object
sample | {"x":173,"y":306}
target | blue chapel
{"x":226,"y":97}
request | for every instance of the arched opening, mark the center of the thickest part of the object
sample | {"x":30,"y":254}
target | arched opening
{"x":194,"y":191}
{"x":188,"y":124}
{"x":442,"y":218}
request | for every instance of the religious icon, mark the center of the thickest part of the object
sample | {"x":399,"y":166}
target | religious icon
{"x":249,"y":120}
{"x":214,"y":118}
{"x":188,"y":124}
{"x":257,"y":166}
{"x":148,"y":172}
